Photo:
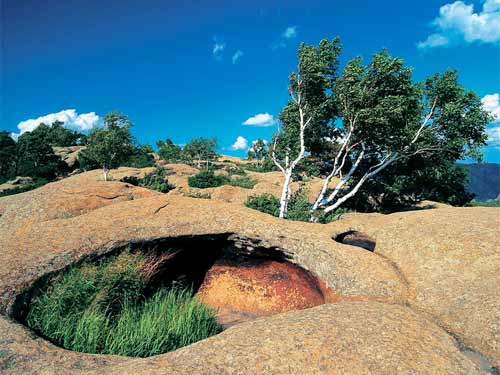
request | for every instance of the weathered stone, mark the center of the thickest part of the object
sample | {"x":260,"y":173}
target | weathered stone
{"x":433,"y":276}
{"x":242,"y":290}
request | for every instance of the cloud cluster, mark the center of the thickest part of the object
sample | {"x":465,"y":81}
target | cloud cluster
{"x":70,"y":117}
{"x":237,"y":55}
{"x":491,"y":103}
{"x":289,"y":33}
{"x":260,"y":119}
{"x":457,"y":23}
{"x":218,"y":49}
{"x":240,"y":144}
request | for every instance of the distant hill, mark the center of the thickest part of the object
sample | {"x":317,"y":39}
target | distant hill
{"x":484,"y":180}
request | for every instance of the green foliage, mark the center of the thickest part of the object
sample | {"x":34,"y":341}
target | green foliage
{"x":140,"y":157}
{"x":299,"y":208}
{"x":490,"y":203}
{"x":317,"y":69}
{"x":35,"y":157}
{"x":266,"y":165}
{"x":60,"y":136}
{"x":169,"y":151}
{"x":110,"y":146}
{"x":235,"y":170}
{"x":8,"y":157}
{"x":200,"y":151}
{"x":103,"y":308}
{"x":157,"y":180}
{"x":245,"y":182}
{"x":266,"y":203}
{"x":207,"y":179}
{"x":197,"y":194}
{"x":258,"y":151}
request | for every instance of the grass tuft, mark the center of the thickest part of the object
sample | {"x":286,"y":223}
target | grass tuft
{"x":102,"y":308}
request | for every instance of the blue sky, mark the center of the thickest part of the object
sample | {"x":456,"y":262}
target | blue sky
{"x":182,"y":70}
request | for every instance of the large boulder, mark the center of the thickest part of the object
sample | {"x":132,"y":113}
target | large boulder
{"x":425,"y":300}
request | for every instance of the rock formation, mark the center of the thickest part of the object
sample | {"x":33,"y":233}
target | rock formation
{"x":424,"y":301}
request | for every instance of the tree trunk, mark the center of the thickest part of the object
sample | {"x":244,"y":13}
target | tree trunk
{"x":285,"y":193}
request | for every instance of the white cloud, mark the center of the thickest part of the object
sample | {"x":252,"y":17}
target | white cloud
{"x":491,"y":103}
{"x":290,"y":32}
{"x":218,"y":49}
{"x":70,"y":117}
{"x":255,"y":142}
{"x":260,"y":119}
{"x":457,"y":22}
{"x":494,"y":136}
{"x":240,"y":144}
{"x":237,"y":55}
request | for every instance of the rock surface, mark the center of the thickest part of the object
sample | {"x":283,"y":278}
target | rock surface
{"x":242,"y":291}
{"x":69,"y":154}
{"x":16,"y":183}
{"x":428,"y":290}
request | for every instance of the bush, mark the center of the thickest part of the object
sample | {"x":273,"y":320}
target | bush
{"x":266,"y":203}
{"x":207,"y":179}
{"x":103,"y":308}
{"x":139,"y":158}
{"x":197,"y":194}
{"x":157,"y":180}
{"x":266,"y":165}
{"x":235,"y":170}
{"x":244,"y":182}
{"x":299,"y":208}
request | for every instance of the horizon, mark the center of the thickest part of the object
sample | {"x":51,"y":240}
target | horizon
{"x":215,"y":69}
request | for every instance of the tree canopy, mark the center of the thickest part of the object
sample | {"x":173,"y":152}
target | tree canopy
{"x":110,"y":146}
{"x":372,"y":117}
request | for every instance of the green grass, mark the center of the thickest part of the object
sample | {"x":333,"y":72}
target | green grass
{"x":104,"y":308}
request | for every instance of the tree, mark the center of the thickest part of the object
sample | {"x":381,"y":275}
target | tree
{"x":287,"y":163}
{"x":259,"y":150}
{"x":62,"y":137}
{"x":169,"y":151}
{"x":308,"y":117}
{"x":201,"y":150}
{"x":8,"y":152}
{"x":108,"y":147}
{"x":378,"y":117}
{"x":35,"y":157}
{"x":386,"y":118}
{"x":317,"y":67}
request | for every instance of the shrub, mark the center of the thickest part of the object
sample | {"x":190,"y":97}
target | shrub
{"x":235,"y":170}
{"x":266,"y":203}
{"x":244,"y":182}
{"x":157,"y":180}
{"x":266,"y":165}
{"x":299,"y":208}
{"x":103,"y":308}
{"x":197,"y":194}
{"x":207,"y":179}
